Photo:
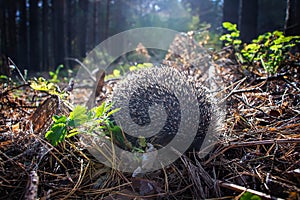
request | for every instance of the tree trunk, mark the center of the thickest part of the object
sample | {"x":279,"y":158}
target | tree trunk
{"x":292,"y":23}
{"x":23,"y":51}
{"x":231,"y":11}
{"x":90,"y":26}
{"x":2,"y":31}
{"x":82,"y":26}
{"x":71,"y":33}
{"x":45,"y":35}
{"x":34,"y":48}
{"x":66,"y":38}
{"x":4,"y":67}
{"x":51,"y":38}
{"x":11,"y":29}
{"x":107,"y":19}
{"x":248,"y":19}
{"x":95,"y":23}
{"x":58,"y":31}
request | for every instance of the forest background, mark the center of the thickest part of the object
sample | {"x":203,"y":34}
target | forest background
{"x":40,"y":35}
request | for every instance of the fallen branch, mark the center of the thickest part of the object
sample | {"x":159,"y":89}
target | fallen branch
{"x":32,"y":186}
{"x":239,"y":188}
{"x":263,"y":142}
{"x":19,"y":72}
{"x":84,"y":67}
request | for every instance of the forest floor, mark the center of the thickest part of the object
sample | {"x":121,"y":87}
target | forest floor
{"x":256,"y":157}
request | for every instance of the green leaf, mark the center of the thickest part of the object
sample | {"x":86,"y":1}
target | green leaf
{"x":277,"y":33}
{"x":72,"y":133}
{"x":276,"y":47}
{"x":78,"y":116}
{"x":57,"y":133}
{"x":117,"y":135}
{"x":249,"y":196}
{"x":3,"y":77}
{"x":51,"y":73}
{"x":132,"y":68}
{"x":142,"y":141}
{"x":252,"y":46}
{"x":113,"y":111}
{"x":42,"y":84}
{"x":237,"y":42}
{"x":147,"y":65}
{"x":59,"y":119}
{"x":116,"y":73}
{"x":235,"y":34}
{"x":223,"y":37}
{"x":99,"y":110}
{"x":59,"y":68}
{"x":229,"y":26}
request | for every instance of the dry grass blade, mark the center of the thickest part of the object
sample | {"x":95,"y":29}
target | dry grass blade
{"x":258,"y":150}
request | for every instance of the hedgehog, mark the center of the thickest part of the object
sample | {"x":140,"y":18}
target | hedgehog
{"x":159,"y":103}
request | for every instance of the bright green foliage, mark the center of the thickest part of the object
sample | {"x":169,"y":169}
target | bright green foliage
{"x":269,"y":49}
{"x":102,"y":113}
{"x":140,"y":66}
{"x":249,"y":196}
{"x":232,"y":37}
{"x":63,"y":126}
{"x":3,"y":77}
{"x":78,"y":116}
{"x":41,"y":84}
{"x":54,"y":75}
{"x":116,"y":133}
{"x":142,"y":141}
{"x":58,"y":130}
{"x":123,"y":69}
{"x":49,"y":86}
{"x":87,"y":121}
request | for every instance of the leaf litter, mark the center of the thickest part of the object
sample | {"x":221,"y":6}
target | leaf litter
{"x":257,"y":152}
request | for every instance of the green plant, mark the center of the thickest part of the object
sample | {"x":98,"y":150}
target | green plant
{"x":231,"y":38}
{"x":249,"y":196}
{"x":3,"y":78}
{"x":268,"y":50}
{"x":81,"y":120}
{"x":54,"y":75}
{"x":41,"y":84}
{"x":121,"y":70}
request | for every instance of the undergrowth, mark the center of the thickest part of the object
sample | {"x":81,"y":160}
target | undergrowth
{"x":81,"y":120}
{"x":268,"y":50}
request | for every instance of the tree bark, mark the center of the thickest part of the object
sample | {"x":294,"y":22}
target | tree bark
{"x":107,"y":19}
{"x":23,"y":51}
{"x":292,"y":23}
{"x":231,"y":11}
{"x":34,"y":47}
{"x":58,"y":32}
{"x":45,"y":35}
{"x":11,"y":29}
{"x":66,"y":36}
{"x":82,"y":26}
{"x":248,"y":19}
{"x":2,"y":31}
